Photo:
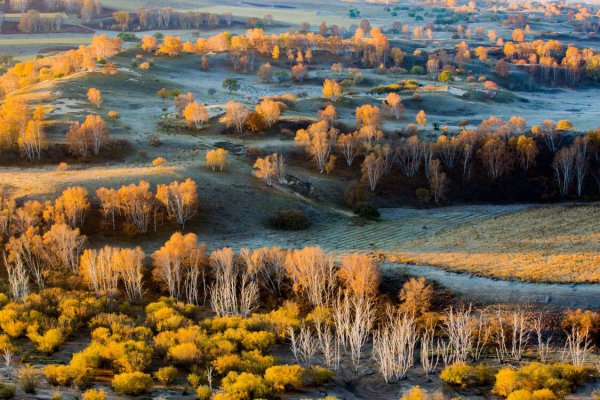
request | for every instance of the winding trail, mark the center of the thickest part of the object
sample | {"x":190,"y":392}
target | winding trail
{"x":489,"y":290}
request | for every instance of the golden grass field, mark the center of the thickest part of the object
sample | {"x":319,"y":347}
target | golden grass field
{"x":554,"y":244}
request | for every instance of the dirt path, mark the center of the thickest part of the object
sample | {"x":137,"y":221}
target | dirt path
{"x":489,"y":290}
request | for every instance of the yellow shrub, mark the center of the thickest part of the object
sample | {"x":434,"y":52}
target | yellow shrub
{"x":544,"y":394}
{"x":184,"y":354}
{"x":415,"y":393}
{"x":258,"y":340}
{"x":48,"y":342}
{"x":284,"y":377}
{"x":166,"y":375}
{"x":132,"y":383}
{"x":243,"y":386}
{"x":455,"y":374}
{"x":203,"y":392}
{"x":519,"y":395}
{"x":93,"y":394}
{"x":506,"y":382}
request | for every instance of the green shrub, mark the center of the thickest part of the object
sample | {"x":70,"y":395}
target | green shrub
{"x":132,"y":383}
{"x":445,"y":76}
{"x":417,"y":70}
{"x":203,"y":392}
{"x":366,"y":211}
{"x":7,"y":391}
{"x":166,"y":375}
{"x":289,"y":220}
{"x":284,"y":377}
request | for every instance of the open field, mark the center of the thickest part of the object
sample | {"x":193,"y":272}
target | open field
{"x":547,"y":244}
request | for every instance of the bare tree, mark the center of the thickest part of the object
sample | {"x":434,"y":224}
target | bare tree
{"x":304,"y":345}
{"x":577,"y":347}
{"x":353,"y":318}
{"x":563,"y":166}
{"x":313,"y":273}
{"x":394,"y":345}
{"x":457,"y":326}
{"x":543,"y":346}
{"x":233,"y":292}
{"x":18,"y":280}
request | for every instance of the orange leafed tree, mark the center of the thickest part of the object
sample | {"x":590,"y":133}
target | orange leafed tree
{"x":235,"y":116}
{"x":360,"y":274}
{"x":318,"y":141}
{"x":149,"y":43}
{"x":179,"y":199}
{"x":104,"y":47}
{"x":269,"y":168}
{"x":181,"y":267}
{"x":269,"y":110}
{"x":32,"y":139}
{"x":195,"y":114}
{"x":95,"y":97}
{"x":394,"y":104}
{"x":171,"y":46}
{"x":332,"y":89}
{"x":421,"y":118}
{"x":217,"y":159}
{"x":72,"y":206}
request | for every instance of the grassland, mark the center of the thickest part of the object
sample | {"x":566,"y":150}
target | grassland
{"x":553,"y":244}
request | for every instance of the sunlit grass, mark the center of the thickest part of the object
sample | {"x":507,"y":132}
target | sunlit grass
{"x":557,"y":244}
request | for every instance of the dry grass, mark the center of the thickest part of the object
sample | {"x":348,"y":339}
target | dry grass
{"x":554,"y":244}
{"x":48,"y":182}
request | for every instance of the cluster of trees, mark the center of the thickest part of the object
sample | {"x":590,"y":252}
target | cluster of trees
{"x":32,"y":22}
{"x":140,"y":207}
{"x":495,"y":149}
{"x":168,"y":18}
{"x":27,"y":73}
{"x":548,"y":60}
{"x":22,"y":128}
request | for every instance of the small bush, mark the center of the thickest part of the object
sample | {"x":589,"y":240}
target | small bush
{"x":159,"y":162}
{"x":366,"y":211}
{"x":243,"y":386}
{"x":132,"y":383}
{"x":456,"y":374}
{"x":203,"y":392}
{"x":29,"y":378}
{"x":166,"y":375}
{"x":93,"y":394}
{"x":289,"y":220}
{"x":63,"y":166}
{"x":155,"y":140}
{"x":520,"y":395}
{"x":114,"y":115}
{"x":284,"y":377}
{"x":319,"y":375}
{"x":445,"y":76}
{"x":7,"y":391}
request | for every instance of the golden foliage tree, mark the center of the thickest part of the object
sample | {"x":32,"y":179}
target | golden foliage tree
{"x":216,"y":159}
{"x":180,"y":265}
{"x":94,"y":96}
{"x":179,"y":199}
{"x":318,"y":140}
{"x":332,"y":89}
{"x":195,"y":114}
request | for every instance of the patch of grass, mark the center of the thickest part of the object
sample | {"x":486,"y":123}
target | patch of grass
{"x":550,"y":244}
